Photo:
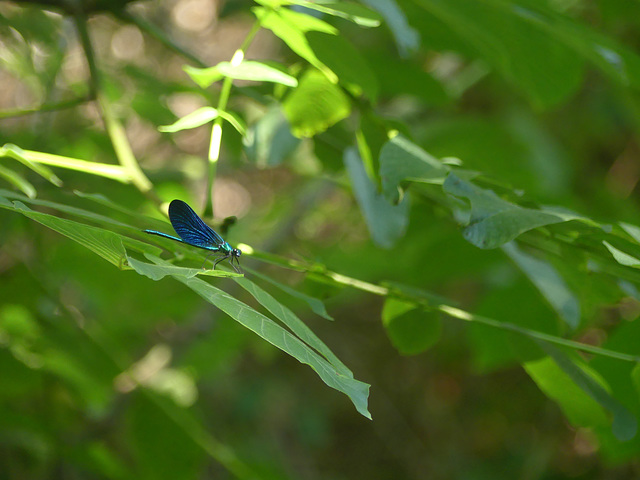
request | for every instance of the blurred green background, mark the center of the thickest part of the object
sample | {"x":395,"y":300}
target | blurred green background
{"x":107,"y":374}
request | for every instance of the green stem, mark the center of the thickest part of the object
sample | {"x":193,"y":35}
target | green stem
{"x":216,"y":129}
{"x":322,"y":274}
{"x":114,"y":128}
{"x":160,"y":35}
{"x":19,"y":112}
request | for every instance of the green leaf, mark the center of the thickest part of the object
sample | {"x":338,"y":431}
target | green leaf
{"x":579,"y":407}
{"x":548,"y":282}
{"x":315,"y":105}
{"x":346,"y":62}
{"x":155,"y":272}
{"x":401,"y":161}
{"x":317,"y":306}
{"x":353,"y":12}
{"x":513,"y":43}
{"x":297,"y":326}
{"x":411,"y":329}
{"x":18,"y":181}
{"x":495,"y":221}
{"x":621,"y":257}
{"x":387,"y":223}
{"x":291,"y":27}
{"x":269,"y":141}
{"x":246,"y":70}
{"x":106,"y":244}
{"x":194,"y":119}
{"x":624,"y":424}
{"x":13,"y":151}
{"x":201,"y":116}
{"x":266,"y":328}
{"x":407,"y":38}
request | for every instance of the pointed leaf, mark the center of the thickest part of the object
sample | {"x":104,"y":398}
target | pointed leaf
{"x":401,"y":161}
{"x":549,"y":283}
{"x":495,"y":221}
{"x":315,"y":105}
{"x":386,"y":223}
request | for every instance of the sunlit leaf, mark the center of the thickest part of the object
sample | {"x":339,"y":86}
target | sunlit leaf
{"x":291,"y":28}
{"x":315,"y":105}
{"x":13,"y":151}
{"x":18,"y":181}
{"x":192,"y":120}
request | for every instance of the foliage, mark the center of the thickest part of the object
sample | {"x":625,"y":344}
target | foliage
{"x":451,"y":181}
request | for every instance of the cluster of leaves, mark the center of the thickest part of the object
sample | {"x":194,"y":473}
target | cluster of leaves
{"x":336,"y":98}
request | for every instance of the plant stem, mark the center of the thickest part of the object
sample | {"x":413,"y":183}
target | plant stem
{"x":114,"y":128}
{"x":322,"y":274}
{"x":216,"y":129}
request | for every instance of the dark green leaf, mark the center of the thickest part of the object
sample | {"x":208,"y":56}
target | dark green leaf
{"x":495,"y":221}
{"x":412,"y":330}
{"x":402,"y":160}
{"x":386,"y":222}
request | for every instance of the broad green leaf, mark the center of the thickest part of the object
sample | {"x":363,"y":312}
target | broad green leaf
{"x":513,"y":44}
{"x":18,"y":181}
{"x":315,"y":105}
{"x":346,"y":62}
{"x":386,"y":222}
{"x":548,"y":282}
{"x":317,"y":306}
{"x":407,"y":38}
{"x":246,"y":70}
{"x":291,"y":27}
{"x":297,"y":326}
{"x":269,"y":141}
{"x":412,"y":330}
{"x":618,"y":62}
{"x":396,"y":76}
{"x":13,"y":151}
{"x":106,"y":244}
{"x":624,"y":424}
{"x":621,"y":257}
{"x":495,"y":221}
{"x":194,"y":119}
{"x":155,"y":272}
{"x":401,"y":161}
{"x":579,"y":407}
{"x":266,"y":328}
